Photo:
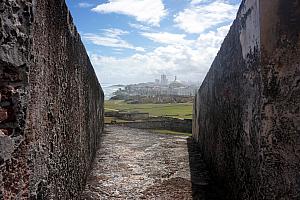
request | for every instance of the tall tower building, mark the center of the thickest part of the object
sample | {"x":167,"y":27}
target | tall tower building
{"x":164,"y":80}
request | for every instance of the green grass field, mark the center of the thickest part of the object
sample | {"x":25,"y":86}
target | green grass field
{"x":176,"y":110}
{"x":167,"y":132}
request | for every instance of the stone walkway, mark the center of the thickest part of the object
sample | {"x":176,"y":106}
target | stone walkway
{"x":139,"y":164}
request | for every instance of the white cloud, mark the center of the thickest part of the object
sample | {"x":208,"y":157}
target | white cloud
{"x":85,"y":5}
{"x":177,"y":55}
{"x":148,"y":11}
{"x":188,"y":62}
{"x":212,"y":39}
{"x":199,"y":18}
{"x":114,"y":32}
{"x":139,"y":27}
{"x":167,"y":38}
{"x":111,"y":38}
{"x":194,"y":2}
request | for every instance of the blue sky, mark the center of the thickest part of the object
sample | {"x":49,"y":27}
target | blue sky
{"x":131,"y":41}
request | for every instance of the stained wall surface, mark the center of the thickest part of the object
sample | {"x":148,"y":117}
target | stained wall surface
{"x":51,"y":114}
{"x":246,"y":113}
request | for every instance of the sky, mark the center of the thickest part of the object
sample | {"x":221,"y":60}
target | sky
{"x":132,"y":41}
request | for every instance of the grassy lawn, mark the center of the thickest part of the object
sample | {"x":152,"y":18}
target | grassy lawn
{"x":171,"y":132}
{"x":177,"y":110}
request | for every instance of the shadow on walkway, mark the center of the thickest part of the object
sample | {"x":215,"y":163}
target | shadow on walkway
{"x":203,"y":187}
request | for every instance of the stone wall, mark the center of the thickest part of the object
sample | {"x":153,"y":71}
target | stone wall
{"x":246,"y":113}
{"x":51,"y":114}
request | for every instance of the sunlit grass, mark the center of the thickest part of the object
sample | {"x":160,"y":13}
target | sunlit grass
{"x":176,"y":110}
{"x":167,"y":132}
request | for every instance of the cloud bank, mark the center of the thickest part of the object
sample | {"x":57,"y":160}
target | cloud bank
{"x":147,"y":11}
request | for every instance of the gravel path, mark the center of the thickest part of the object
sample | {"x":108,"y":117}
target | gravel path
{"x":139,"y":164}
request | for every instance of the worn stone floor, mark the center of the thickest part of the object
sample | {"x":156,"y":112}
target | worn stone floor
{"x":139,"y":164}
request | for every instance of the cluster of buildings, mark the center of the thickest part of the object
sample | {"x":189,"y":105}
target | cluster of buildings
{"x":160,"y":87}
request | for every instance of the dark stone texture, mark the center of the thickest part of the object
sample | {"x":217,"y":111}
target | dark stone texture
{"x":51,"y":103}
{"x":246,"y":113}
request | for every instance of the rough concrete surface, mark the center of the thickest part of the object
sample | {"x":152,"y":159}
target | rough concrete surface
{"x":51,"y":114}
{"x":246,"y":113}
{"x":140,"y":164}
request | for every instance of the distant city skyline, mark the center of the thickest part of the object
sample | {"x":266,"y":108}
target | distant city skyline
{"x":136,"y":41}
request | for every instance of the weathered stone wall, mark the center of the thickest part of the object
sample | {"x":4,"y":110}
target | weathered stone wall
{"x":246,"y":113}
{"x":51,"y":110}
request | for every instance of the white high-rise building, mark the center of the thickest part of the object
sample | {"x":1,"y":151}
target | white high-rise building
{"x":164,"y":80}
